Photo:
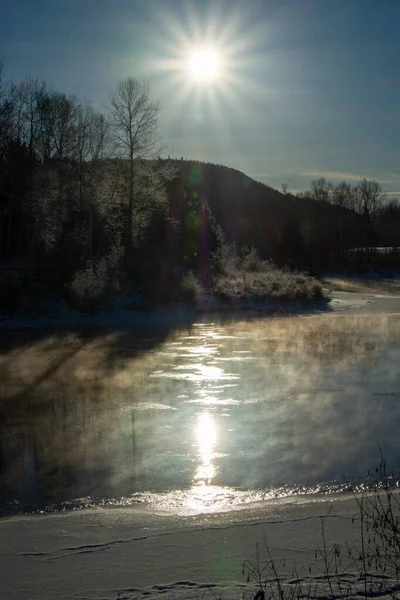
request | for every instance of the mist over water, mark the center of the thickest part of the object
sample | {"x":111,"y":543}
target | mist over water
{"x":209,"y":418}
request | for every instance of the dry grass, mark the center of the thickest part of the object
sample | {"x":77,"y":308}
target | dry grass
{"x":368,"y":569}
{"x":245,"y":277}
{"x":273,"y":284}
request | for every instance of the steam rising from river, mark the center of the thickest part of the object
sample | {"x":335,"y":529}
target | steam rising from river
{"x":209,"y":418}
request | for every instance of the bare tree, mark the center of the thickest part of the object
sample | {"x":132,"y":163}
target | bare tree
{"x":321,"y":189}
{"x":45,"y":121}
{"x":342,"y":199}
{"x":25,"y":98}
{"x":57,"y":117}
{"x":65,"y":111}
{"x":90,"y":147}
{"x":369,"y":200}
{"x":6,"y":110}
{"x":134,"y":123}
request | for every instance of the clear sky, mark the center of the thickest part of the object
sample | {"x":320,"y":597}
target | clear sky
{"x":307,"y":88}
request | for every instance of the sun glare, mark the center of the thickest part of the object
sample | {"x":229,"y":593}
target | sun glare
{"x":204,"y":65}
{"x":206,"y":61}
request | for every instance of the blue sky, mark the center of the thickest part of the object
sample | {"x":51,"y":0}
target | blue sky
{"x":310,"y":88}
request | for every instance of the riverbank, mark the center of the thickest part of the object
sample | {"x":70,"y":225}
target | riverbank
{"x":337,"y":302}
{"x":241,"y":283}
{"x":100,"y":553}
{"x":370,"y":283}
{"x":171,"y":315}
{"x":97,"y":553}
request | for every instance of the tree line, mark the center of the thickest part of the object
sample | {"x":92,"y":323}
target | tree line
{"x":331,"y":226}
{"x":363,"y":218}
{"x":83,"y":193}
{"x":87,"y":201}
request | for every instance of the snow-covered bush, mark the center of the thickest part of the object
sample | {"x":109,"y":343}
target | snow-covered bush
{"x":91,"y":287}
{"x":191,"y":291}
{"x":244,"y":276}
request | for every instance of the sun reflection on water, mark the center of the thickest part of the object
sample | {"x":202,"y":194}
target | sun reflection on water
{"x":203,"y":495}
{"x":206,"y":435}
{"x":225,"y":417}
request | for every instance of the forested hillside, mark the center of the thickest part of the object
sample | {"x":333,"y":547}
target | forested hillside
{"x":315,"y":230}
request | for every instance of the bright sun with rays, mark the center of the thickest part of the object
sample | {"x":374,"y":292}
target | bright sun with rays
{"x":207,"y":60}
{"x":205,"y":65}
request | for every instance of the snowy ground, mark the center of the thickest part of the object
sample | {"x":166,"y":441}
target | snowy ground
{"x":364,"y":303}
{"x":96,"y":553}
{"x":99,"y":552}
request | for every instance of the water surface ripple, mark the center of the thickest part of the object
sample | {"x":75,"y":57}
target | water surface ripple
{"x":215,"y":417}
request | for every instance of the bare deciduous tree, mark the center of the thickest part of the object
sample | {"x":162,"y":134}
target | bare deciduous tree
{"x":134,"y":123}
{"x":26,"y":95}
{"x":320,"y":189}
{"x":6,"y":110}
{"x":370,"y":199}
{"x":65,"y":109}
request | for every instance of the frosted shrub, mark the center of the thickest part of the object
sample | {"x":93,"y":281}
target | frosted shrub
{"x":91,"y":287}
{"x":191,"y":290}
{"x":225,"y":259}
{"x":245,"y":277}
{"x":250,"y":261}
{"x":87,"y":287}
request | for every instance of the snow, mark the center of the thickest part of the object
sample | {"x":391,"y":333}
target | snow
{"x":96,"y":553}
{"x":348,"y":303}
{"x":99,"y":553}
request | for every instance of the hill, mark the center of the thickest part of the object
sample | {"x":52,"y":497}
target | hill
{"x":286,"y":229}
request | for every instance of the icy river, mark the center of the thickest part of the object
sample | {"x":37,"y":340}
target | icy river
{"x":210,"y":417}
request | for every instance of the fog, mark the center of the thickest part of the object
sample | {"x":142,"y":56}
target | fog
{"x":217,"y":414}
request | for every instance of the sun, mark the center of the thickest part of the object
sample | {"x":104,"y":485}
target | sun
{"x":205,"y":65}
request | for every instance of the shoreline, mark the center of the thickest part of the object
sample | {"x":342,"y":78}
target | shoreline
{"x":159,"y":317}
{"x":337,"y":302}
{"x":189,"y":502}
{"x":96,"y":553}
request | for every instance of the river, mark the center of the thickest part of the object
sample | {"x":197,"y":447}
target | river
{"x":210,"y":417}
